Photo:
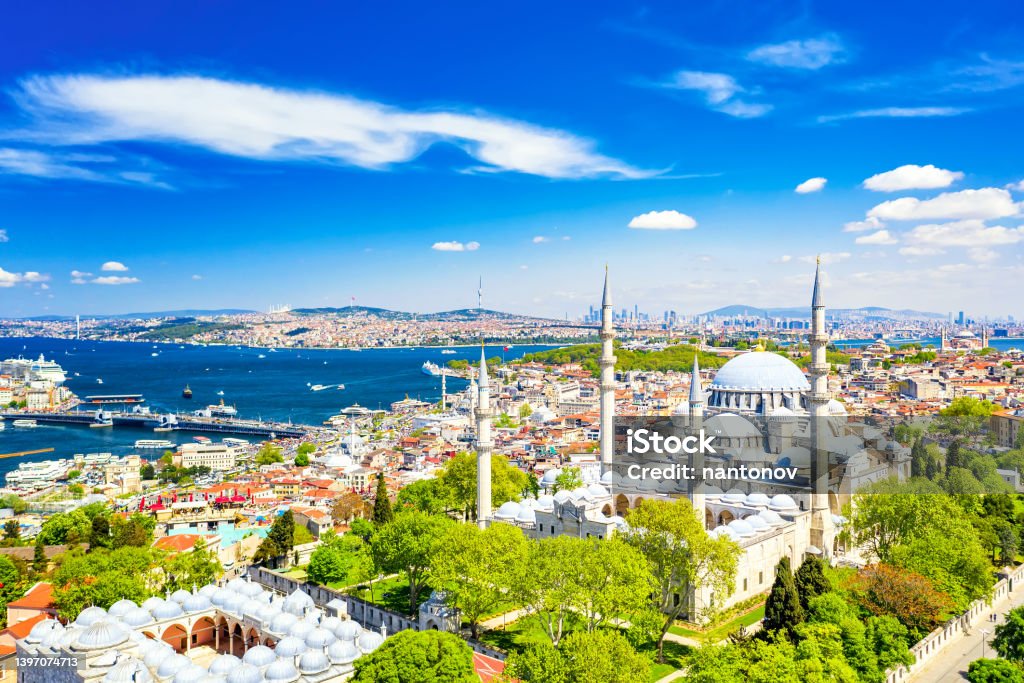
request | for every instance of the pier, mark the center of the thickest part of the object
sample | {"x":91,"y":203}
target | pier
{"x":183,"y":423}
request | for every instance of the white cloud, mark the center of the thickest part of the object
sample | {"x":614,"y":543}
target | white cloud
{"x":880,"y":237}
{"x":524,"y":267}
{"x":114,"y":266}
{"x":540,"y":239}
{"x":197,"y":277}
{"x":785,"y":258}
{"x":827,"y":257}
{"x":985,"y":203}
{"x":1016,"y":187}
{"x":982,"y":254}
{"x":869,"y":223}
{"x":811,"y":185}
{"x":912,"y":177}
{"x":966,"y":233}
{"x":114,"y":280}
{"x":4,"y":237}
{"x":663,"y":220}
{"x":921,"y":251}
{"x":719,"y":91}
{"x":262,"y":122}
{"x":895,"y":113}
{"x":813,"y":53}
{"x":9,"y":279}
{"x":455,"y":246}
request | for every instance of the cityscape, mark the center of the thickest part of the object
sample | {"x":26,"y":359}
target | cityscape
{"x":671,"y":344}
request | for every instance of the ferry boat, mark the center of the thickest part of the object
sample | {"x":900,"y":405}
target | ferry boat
{"x":25,"y":423}
{"x":432,"y":369}
{"x":187,"y":392}
{"x":201,"y":439}
{"x":154,"y":444}
{"x":446,"y":352}
{"x":232,"y":441}
{"x":318,"y":387}
{"x":221,"y":410}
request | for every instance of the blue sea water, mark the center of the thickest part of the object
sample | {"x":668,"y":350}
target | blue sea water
{"x":260,"y":383}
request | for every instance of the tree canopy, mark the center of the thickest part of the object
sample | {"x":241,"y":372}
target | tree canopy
{"x":418,"y":657}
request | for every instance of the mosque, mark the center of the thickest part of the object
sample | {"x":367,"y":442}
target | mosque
{"x":763,"y":411}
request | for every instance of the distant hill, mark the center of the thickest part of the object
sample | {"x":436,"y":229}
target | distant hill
{"x":355,"y":311}
{"x":862,"y":313}
{"x":462,"y":314}
{"x":184,"y":313}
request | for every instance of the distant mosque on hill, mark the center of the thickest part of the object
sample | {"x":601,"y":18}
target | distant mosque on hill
{"x":763,"y":412}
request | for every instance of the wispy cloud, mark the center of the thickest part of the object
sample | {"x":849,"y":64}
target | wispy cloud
{"x":811,"y":54}
{"x":720,"y":92}
{"x":455,"y":246}
{"x":881,"y":237}
{"x":263,"y":122}
{"x":827,"y":257}
{"x":540,"y":239}
{"x":9,"y":279}
{"x":966,"y":233}
{"x":896,"y":113}
{"x":101,"y":168}
{"x":115,"y":280}
{"x":4,"y":237}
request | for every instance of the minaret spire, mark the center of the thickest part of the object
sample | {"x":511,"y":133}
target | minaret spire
{"x":607,"y":387}
{"x":484,"y":445}
{"x":480,"y":294}
{"x":818,"y":399}
{"x":696,"y":393}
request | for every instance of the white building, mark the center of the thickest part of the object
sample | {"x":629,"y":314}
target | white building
{"x":216,"y":456}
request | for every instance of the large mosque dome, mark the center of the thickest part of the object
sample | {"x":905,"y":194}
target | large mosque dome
{"x":758,"y":382}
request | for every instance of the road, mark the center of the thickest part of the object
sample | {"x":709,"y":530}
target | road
{"x":951,"y":663}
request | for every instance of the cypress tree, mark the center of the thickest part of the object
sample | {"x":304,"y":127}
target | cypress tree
{"x":382,"y":513}
{"x":953,"y":458}
{"x":39,"y":562}
{"x":811,"y":581}
{"x":918,"y":458}
{"x":783,"y":611}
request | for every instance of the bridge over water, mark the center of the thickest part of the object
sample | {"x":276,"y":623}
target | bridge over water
{"x":270,"y":430}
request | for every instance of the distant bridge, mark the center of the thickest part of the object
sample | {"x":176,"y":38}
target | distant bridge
{"x":270,"y":430}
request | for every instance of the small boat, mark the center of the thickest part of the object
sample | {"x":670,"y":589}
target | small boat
{"x":99,"y":381}
{"x":232,"y":441}
{"x":101,"y":425}
{"x":154,"y":354}
{"x":446,"y":352}
{"x":153,"y":444}
{"x":432,"y":369}
{"x":261,"y":356}
{"x":220,"y":393}
{"x":341,"y":387}
{"x":186,"y":392}
{"x":25,"y":423}
{"x":163,"y":429}
{"x":318,"y":387}
{"x":201,"y":439}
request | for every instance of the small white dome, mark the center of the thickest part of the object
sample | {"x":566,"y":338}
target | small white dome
{"x":300,"y":629}
{"x":756,"y":523}
{"x":369,"y":641}
{"x":343,"y":652}
{"x":267,"y":613}
{"x":128,"y":670}
{"x":281,"y":670}
{"x":724,"y":531}
{"x":757,"y":500}
{"x":526,"y":516}
{"x":261,"y":655}
{"x":236,"y":584}
{"x":297,"y":602}
{"x":224,"y":664}
{"x":290,"y":646}
{"x":43,"y":629}
{"x":251,"y":590}
{"x":742,"y":528}
{"x":771,"y":518}
{"x":172,"y":665}
{"x":90,"y":615}
{"x":251,"y":607}
{"x":180,"y":596}
{"x":734,"y":497}
{"x":545,"y":502}
{"x":562,"y":496}
{"x":167,"y":610}
{"x":283,"y":622}
{"x":548,"y":480}
{"x":137,"y":617}
{"x":608,"y":478}
{"x":101,"y":635}
{"x":507,"y":510}
{"x":348,"y":630}
{"x":597,"y":490}
{"x":152,"y":603}
{"x":155,"y":657}
{"x":191,"y":674}
{"x":121,"y":607}
{"x":330,"y":623}
{"x":213,"y":678}
{"x":712,"y":492}
{"x":782,"y":503}
{"x":314,"y":662}
{"x":222,"y":595}
{"x":208,"y":590}
{"x":319,"y":638}
{"x":196,"y":603}
{"x":244,"y":673}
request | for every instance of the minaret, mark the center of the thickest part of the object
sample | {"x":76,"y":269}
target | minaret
{"x":480,"y":295}
{"x":484,"y":445}
{"x":472,"y":393}
{"x":696,"y":460}
{"x":984,"y":337}
{"x":444,"y":390}
{"x":942,"y":339}
{"x":821,"y":522}
{"x":607,"y":387}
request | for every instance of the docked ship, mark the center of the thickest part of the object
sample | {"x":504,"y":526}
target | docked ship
{"x":221,"y":410}
{"x":40,"y":369}
{"x":153,"y":444}
{"x":37,"y":475}
{"x":432,"y":369}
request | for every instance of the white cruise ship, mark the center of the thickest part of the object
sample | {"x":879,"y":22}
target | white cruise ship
{"x":432,"y":369}
{"x":40,"y":369}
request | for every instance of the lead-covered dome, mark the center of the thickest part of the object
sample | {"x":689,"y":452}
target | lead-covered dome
{"x":760,"y":371}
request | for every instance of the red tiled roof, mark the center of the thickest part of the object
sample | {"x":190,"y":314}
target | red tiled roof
{"x":40,"y":596}
{"x":22,"y":628}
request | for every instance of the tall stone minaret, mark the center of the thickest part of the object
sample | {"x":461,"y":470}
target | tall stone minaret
{"x":473,"y":395}
{"x":942,"y":340}
{"x":480,"y":294}
{"x":444,"y":390}
{"x":984,"y":336}
{"x":822,"y":527}
{"x":696,"y":404}
{"x":484,"y":446}
{"x":607,"y":386}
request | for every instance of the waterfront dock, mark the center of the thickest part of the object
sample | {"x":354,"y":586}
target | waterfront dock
{"x":184,"y":423}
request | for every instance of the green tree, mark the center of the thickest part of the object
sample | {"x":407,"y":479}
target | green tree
{"x":681,"y":556}
{"x":268,"y":454}
{"x":382,"y":513}
{"x":39,"y":561}
{"x":136,"y":530}
{"x":147,"y":472}
{"x":964,"y":418}
{"x":615,"y":579}
{"x":198,"y":567}
{"x":568,"y":480}
{"x":1009,"y":640}
{"x":458,"y":481}
{"x":418,"y":657}
{"x":301,"y":459}
{"x":15,"y":503}
{"x":74,"y":474}
{"x":782,"y":611}
{"x":307,"y":449}
{"x":102,"y":577}
{"x":12,"y":532}
{"x":77,"y":491}
{"x":282,"y":532}
{"x":362,"y":528}
{"x":267,"y":552}
{"x":407,"y":545}
{"x":478,"y":568}
{"x":602,"y":656}
{"x":994,"y":671}
{"x":810,"y":580}
{"x":424,"y":495}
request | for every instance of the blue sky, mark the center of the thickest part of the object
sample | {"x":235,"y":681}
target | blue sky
{"x":234,"y":154}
